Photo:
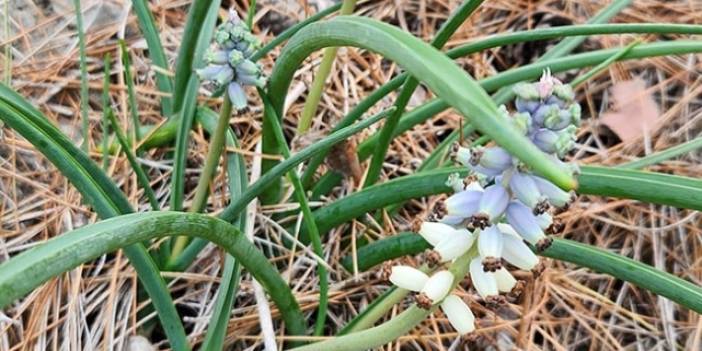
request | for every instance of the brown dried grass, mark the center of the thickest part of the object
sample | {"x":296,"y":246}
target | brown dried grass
{"x":566,"y":308}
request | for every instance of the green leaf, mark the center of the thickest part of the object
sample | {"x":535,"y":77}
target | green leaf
{"x":387,"y":133}
{"x":438,"y":72}
{"x":664,"y":155}
{"x":156,"y":53}
{"x":26,"y":271}
{"x":97,"y":190}
{"x":624,"y":268}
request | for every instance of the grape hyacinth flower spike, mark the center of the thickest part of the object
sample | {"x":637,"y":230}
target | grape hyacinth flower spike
{"x":499,"y":210}
{"x":228,"y":60}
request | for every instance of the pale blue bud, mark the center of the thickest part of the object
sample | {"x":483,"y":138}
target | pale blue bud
{"x":555,"y":195}
{"x":492,"y":205}
{"x":524,"y":222}
{"x":463,"y":204}
{"x":526,"y":191}
{"x":236,"y":95}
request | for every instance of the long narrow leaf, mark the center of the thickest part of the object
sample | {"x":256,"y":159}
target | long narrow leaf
{"x":448,"y":81}
{"x":26,"y":271}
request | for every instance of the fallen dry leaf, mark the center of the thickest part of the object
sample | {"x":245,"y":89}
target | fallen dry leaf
{"x":635,"y":112}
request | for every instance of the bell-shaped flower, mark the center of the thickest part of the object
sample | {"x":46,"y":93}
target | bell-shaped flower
{"x":438,"y":286}
{"x":459,"y":314}
{"x":517,"y":253}
{"x":435,"y":232}
{"x":543,"y":113}
{"x":490,"y":248}
{"x":492,"y":205}
{"x":555,"y":195}
{"x":454,"y":245}
{"x":523,"y":220}
{"x":491,"y":158}
{"x":484,"y":282}
{"x":526,"y":191}
{"x":505,"y":281}
{"x":463,"y":204}
{"x":409,"y":278}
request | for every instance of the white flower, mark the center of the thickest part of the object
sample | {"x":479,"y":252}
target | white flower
{"x":490,"y":248}
{"x":455,"y":245}
{"x":484,"y":282}
{"x":438,"y":286}
{"x":409,"y":278}
{"x":459,"y":314}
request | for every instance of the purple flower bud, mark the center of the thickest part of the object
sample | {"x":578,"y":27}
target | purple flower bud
{"x":558,"y":121}
{"x":544,"y":112}
{"x":555,"y":195}
{"x":524,"y":222}
{"x":547,"y":140}
{"x":522,"y":122}
{"x":217,"y":57}
{"x":463,"y":204}
{"x":528,"y":106}
{"x":492,"y":205}
{"x":524,"y":188}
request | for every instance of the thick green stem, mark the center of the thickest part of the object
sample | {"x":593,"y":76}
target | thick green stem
{"x":310,"y":108}
{"x":211,"y":162}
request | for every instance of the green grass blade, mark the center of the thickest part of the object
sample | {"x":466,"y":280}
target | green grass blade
{"x":187,"y":105}
{"x":387,"y":133}
{"x":148,"y":29}
{"x":664,"y":155}
{"x":142,"y":178}
{"x":449,"y":82}
{"x":26,"y":271}
{"x":233,"y":209}
{"x":624,"y":268}
{"x":658,"y":188}
{"x":307,"y":217}
{"x":236,"y":207}
{"x":131,"y":95}
{"x":106,"y":108}
{"x":188,"y":49}
{"x":682,"y":192}
{"x":97,"y":190}
{"x":315,"y":93}
{"x":85,"y":123}
{"x":569,"y":44}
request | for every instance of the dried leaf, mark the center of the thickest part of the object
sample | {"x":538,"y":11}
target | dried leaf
{"x":635,"y":112}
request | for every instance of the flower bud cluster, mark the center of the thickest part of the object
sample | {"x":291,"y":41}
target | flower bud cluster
{"x":228,"y":60}
{"x":502,"y":206}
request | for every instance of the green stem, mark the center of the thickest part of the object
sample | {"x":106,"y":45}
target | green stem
{"x":409,"y":86}
{"x":310,"y":108}
{"x":250,"y":13}
{"x":83,"y":77}
{"x":664,"y":155}
{"x":203,"y":185}
{"x":308,"y":217}
{"x":131,"y":95}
